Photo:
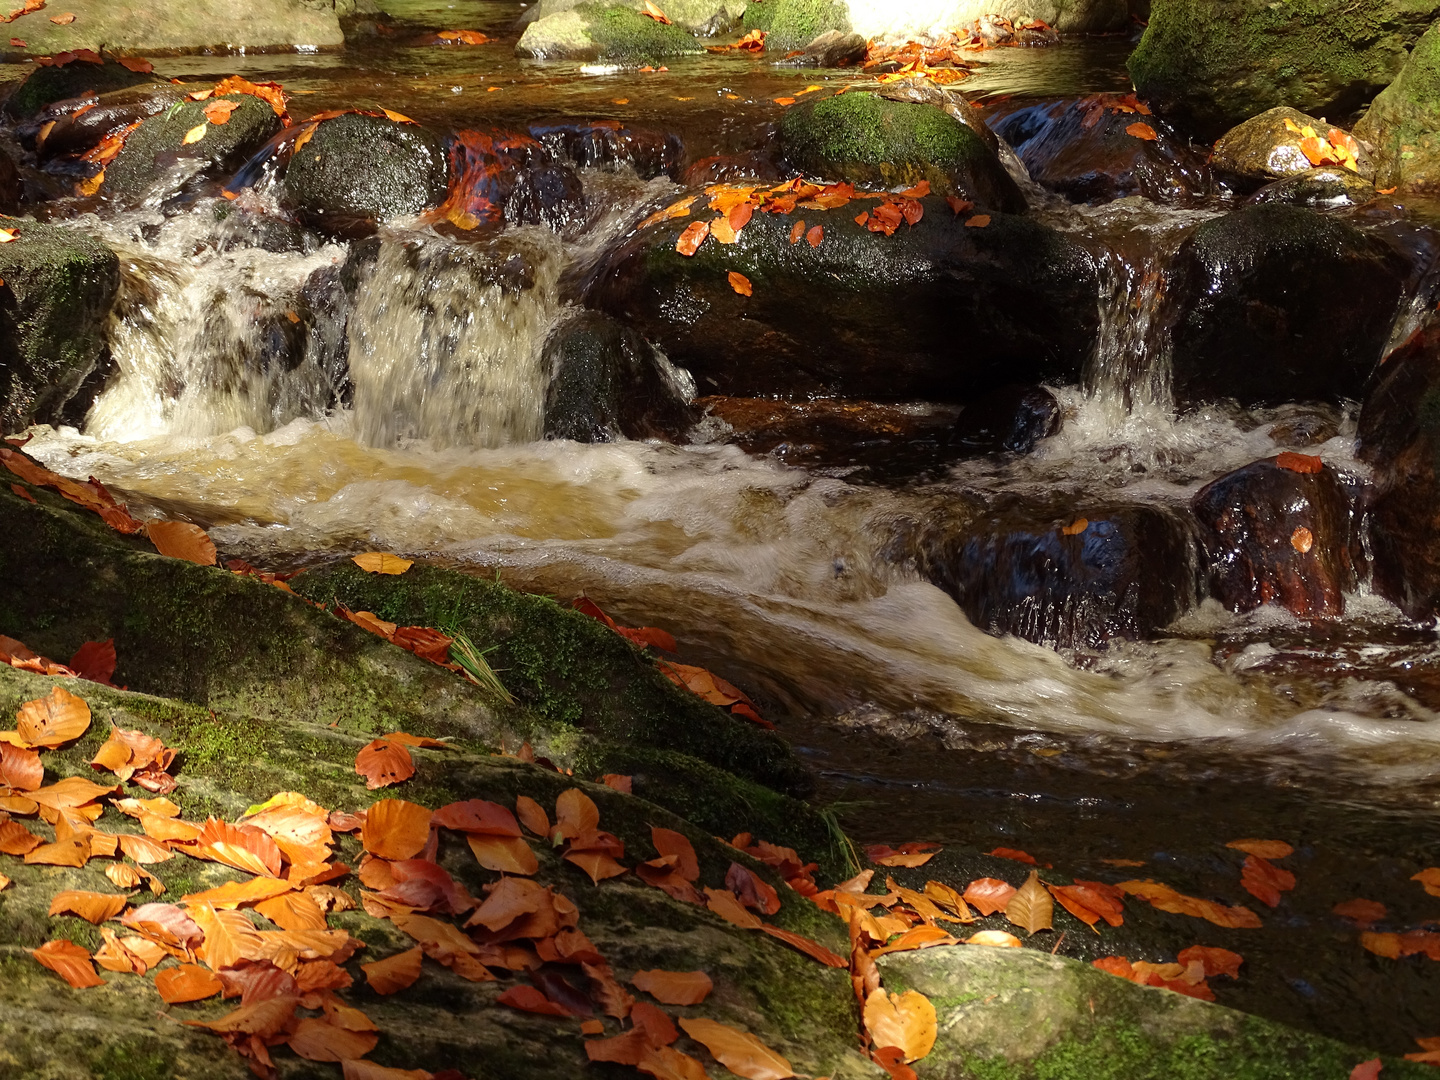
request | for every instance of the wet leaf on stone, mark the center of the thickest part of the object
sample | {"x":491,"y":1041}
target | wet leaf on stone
{"x":379,"y":562}
{"x":739,"y":1051}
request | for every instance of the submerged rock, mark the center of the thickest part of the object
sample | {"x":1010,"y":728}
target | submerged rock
{"x":1403,"y":122}
{"x":867,"y":139}
{"x":1400,"y":437}
{"x":358,"y":169}
{"x":59,"y":286}
{"x":939,"y":311}
{"x":606,"y":383}
{"x":794,"y":24}
{"x":1099,"y":148}
{"x":1012,"y":418}
{"x":1071,"y":578}
{"x":601,"y":143}
{"x":600,"y":31}
{"x":1266,"y":148}
{"x":704,"y":18}
{"x":1321,"y":189}
{"x":832,"y":49}
{"x":49,"y":85}
{"x":1278,"y":303}
{"x":157,"y":161}
{"x":1278,"y":532}
{"x":1211,"y":66}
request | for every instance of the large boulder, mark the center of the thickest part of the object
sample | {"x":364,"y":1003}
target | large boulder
{"x":704,"y":18}
{"x":1278,"y":303}
{"x":601,"y":31}
{"x":164,"y":155}
{"x":1213,"y":65}
{"x":940,"y":310}
{"x":1400,"y":437}
{"x":793,"y":24}
{"x":1403,"y":122}
{"x":1099,"y":148}
{"x":148,"y":27}
{"x":1328,"y":188}
{"x":1278,"y":532}
{"x":54,"y":84}
{"x":867,"y":139}
{"x":357,"y":169}
{"x":59,"y":285}
{"x":1267,"y":147}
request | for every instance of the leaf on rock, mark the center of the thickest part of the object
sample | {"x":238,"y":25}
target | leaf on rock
{"x":1142,"y":131}
{"x":230,"y":937}
{"x":93,"y":907}
{"x":693,"y":236}
{"x":575,"y":814}
{"x":378,"y":562}
{"x":1265,"y":881}
{"x":1091,"y":901}
{"x":15,"y":839}
{"x":57,"y":718}
{"x":1307,"y":465}
{"x":1363,"y":913}
{"x":394,"y":973}
{"x":740,"y":283}
{"x":908,"y":855}
{"x":180,"y":539}
{"x":1167,"y":899}
{"x":188,"y":982}
{"x":674,"y":987}
{"x":917,"y":937}
{"x":800,"y":943}
{"x":905,"y":1021}
{"x":20,"y":769}
{"x":506,"y":855}
{"x":1213,"y":961}
{"x":69,"y":961}
{"x":724,"y":903}
{"x":395,"y":829}
{"x":244,"y":847}
{"x":1264,"y":849}
{"x":528,"y":999}
{"x":218,"y":112}
{"x":95,"y":661}
{"x":995,"y":939}
{"x":1031,"y":908}
{"x":383,"y":763}
{"x":988,"y":895}
{"x":739,"y":1051}
{"x":319,"y":1040}
{"x":1429,"y":879}
{"x":751,"y":890}
{"x":979,"y":221}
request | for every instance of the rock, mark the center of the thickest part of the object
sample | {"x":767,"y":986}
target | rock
{"x":609,"y":143}
{"x":59,"y":285}
{"x":1303,"y":425}
{"x":500,"y":178}
{"x":1265,"y":148}
{"x":1275,"y":535}
{"x":69,"y":133}
{"x":606,"y":383}
{"x":938,"y":311}
{"x":156,"y":162}
{"x":156,"y":27}
{"x":1278,"y":303}
{"x":1084,"y":149}
{"x":358,"y":169}
{"x":1072,"y":576}
{"x":1321,"y":189}
{"x":703,"y":18}
{"x":730,"y":168}
{"x":899,"y":22}
{"x":600,"y":31}
{"x":870,"y":140}
{"x":832,"y":49}
{"x":1012,"y":418}
{"x":927,"y":92}
{"x":1023,"y":1014}
{"x":1400,"y":437}
{"x":1211,"y":66}
{"x":49,"y":85}
{"x":1403,"y":122}
{"x":793,"y":24}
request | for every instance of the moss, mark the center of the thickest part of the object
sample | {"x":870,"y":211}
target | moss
{"x":793,"y":24}
{"x":1403,"y":120}
{"x":132,"y":1060}
{"x":622,"y":33}
{"x":47,"y":84}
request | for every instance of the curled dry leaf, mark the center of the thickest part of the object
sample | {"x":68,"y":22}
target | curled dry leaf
{"x":674,"y":987}
{"x":20,"y":768}
{"x":528,"y":999}
{"x":57,"y":718}
{"x":91,"y":906}
{"x":123,"y":876}
{"x":739,"y":1051}
{"x":379,"y":562}
{"x":180,"y":539}
{"x":905,"y":1021}
{"x":575,"y":815}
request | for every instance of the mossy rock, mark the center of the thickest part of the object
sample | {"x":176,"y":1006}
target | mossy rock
{"x":1328,"y":188}
{"x":156,"y":153}
{"x":59,"y":286}
{"x":361,"y":168}
{"x":1212,"y":65}
{"x":703,"y":18}
{"x":1019,"y":1014}
{"x":1403,"y":122}
{"x":45,"y":85}
{"x":793,"y":24}
{"x":871,"y":140}
{"x":1265,"y":148}
{"x":591,"y":31}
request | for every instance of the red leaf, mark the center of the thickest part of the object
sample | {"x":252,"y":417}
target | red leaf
{"x":528,"y":999}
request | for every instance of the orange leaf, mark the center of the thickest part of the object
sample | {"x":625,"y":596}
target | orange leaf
{"x":394,"y":973}
{"x":800,"y":943}
{"x":751,"y":890}
{"x":188,"y":982}
{"x":20,"y":768}
{"x":69,"y":961}
{"x":395,"y":829}
{"x":919,"y":937}
{"x":1307,"y":465}
{"x":230,"y":937}
{"x":218,"y":112}
{"x":1265,"y":881}
{"x":655,"y":13}
{"x":1014,"y":855}
{"x":15,"y":839}
{"x":910,"y":855}
{"x":988,"y":895}
{"x":63,"y":20}
{"x":532,"y":815}
{"x":1363,"y":913}
{"x":180,"y":539}
{"x":672,"y":844}
{"x":739,"y":1051}
{"x":674,"y":987}
{"x":905,"y":1021}
{"x":979,"y":221}
{"x":1213,"y":961}
{"x":383,"y":763}
{"x":477,"y":816}
{"x":1167,"y":899}
{"x":529,"y":999}
{"x":234,"y":894}
{"x":505,"y":854}
{"x":1142,"y":131}
{"x":1302,"y":539}
{"x":95,"y":660}
{"x":91,"y":906}
{"x":815,"y":237}
{"x":293,"y":911}
{"x":318,"y":1040}
{"x":53,"y":720}
{"x":597,"y":864}
{"x":1429,"y":879}
{"x":242,"y":846}
{"x":693,"y":236}
{"x":995,"y":939}
{"x":1270,"y":849}
{"x":1089,"y":904}
{"x":797,"y":231}
{"x":575,"y":815}
{"x":376,"y":562}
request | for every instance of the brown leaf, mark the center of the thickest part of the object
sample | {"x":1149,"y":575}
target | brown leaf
{"x":739,"y":1051}
{"x":988,"y":895}
{"x":15,"y":839}
{"x":1031,"y":907}
{"x":180,"y":539}
{"x":1213,"y":961}
{"x":801,"y":943}
{"x":667,"y":1063}
{"x":1265,"y":881}
{"x":752,"y":891}
{"x":670,"y":843}
{"x":674,"y":987}
{"x":1142,"y":131}
{"x":394,"y":973}
{"x":529,"y":999}
{"x":20,"y":769}
{"x":979,"y":221}
{"x":725,"y":904}
{"x":91,"y":906}
{"x":815,"y":237}
{"x":1089,"y":902}
{"x":797,"y":231}
{"x":188,"y":982}
{"x":905,"y":1021}
{"x":264,"y":1018}
{"x":63,"y":20}
{"x":69,"y":961}
{"x":1363,"y":913}
{"x":918,"y":937}
{"x":53,"y":720}
{"x":740,"y":283}
{"x":377,"y":562}
{"x":395,"y":829}
{"x":95,"y":661}
{"x":693,"y":236}
{"x":293,"y":911}
{"x":383,"y":763}
{"x":1167,"y":899}
{"x":1265,"y":849}
{"x":318,"y":1040}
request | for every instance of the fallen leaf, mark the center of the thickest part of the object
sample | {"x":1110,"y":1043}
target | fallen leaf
{"x":532,"y":815}
{"x":1031,"y":908}
{"x":528,"y":999}
{"x":674,"y":987}
{"x":318,"y":1040}
{"x":803,"y":944}
{"x":919,"y":937}
{"x":1090,"y":901}
{"x":655,"y":13}
{"x":815,"y":237}
{"x":91,"y":906}
{"x":905,"y":1021}
{"x":1302,"y":539}
{"x":1363,"y":913}
{"x":1429,"y":879}
{"x":693,"y":236}
{"x":383,"y":763}
{"x":1142,"y":131}
{"x":69,"y":961}
{"x":995,"y":939}
{"x":218,"y":112}
{"x":53,"y":720}
{"x":988,"y":895}
{"x":979,"y":221}
{"x":95,"y":661}
{"x":958,"y":205}
{"x":180,"y":539}
{"x":63,"y":20}
{"x":1213,"y":961}
{"x":1167,"y":899}
{"x":739,"y":1051}
{"x":20,"y":768}
{"x":751,"y":890}
{"x":1367,"y":1070}
{"x":195,"y":134}
{"x":1265,"y":849}
{"x":376,"y":562}
{"x":797,"y":231}
{"x":395,"y":829}
{"x":123,"y":876}
{"x":1306,"y":465}
{"x":188,"y":982}
{"x":394,"y":973}
{"x":507,"y":855}
{"x":1265,"y":881}
{"x":908,"y":855}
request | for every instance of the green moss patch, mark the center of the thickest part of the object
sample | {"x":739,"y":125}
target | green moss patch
{"x":793,"y":24}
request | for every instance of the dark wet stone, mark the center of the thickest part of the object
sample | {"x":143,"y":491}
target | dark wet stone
{"x":1278,"y":303}
{"x":1305,"y":426}
{"x":1400,"y":437}
{"x":59,"y":286}
{"x":1401,"y":122}
{"x":357,"y":170}
{"x":1274,"y":535}
{"x":157,"y":163}
{"x":649,"y":152}
{"x":1322,"y":189}
{"x":1071,"y":577}
{"x":12,"y":188}
{"x":503,"y":178}
{"x":71,"y":132}
{"x":832,"y":49}
{"x":871,"y":140}
{"x":938,"y":311}
{"x":728,"y":168}
{"x":606,"y":383}
{"x":46,"y":85}
{"x":1264,"y":148}
{"x":1082,"y":149}
{"x":1012,"y":418}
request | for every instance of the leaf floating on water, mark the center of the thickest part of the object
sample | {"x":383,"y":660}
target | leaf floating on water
{"x":1167,"y":899}
{"x":740,"y":283}
{"x":1265,"y":849}
{"x":1429,"y":878}
{"x":379,"y":562}
{"x":739,"y":1051}
{"x":1265,"y":881}
{"x":1363,"y":913}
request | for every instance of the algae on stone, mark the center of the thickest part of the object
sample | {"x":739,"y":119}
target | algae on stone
{"x":1403,"y":122}
{"x":597,"y":31}
{"x":793,"y":24}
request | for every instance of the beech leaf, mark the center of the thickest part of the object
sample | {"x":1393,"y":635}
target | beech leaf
{"x":1031,"y":908}
{"x":739,"y":1051}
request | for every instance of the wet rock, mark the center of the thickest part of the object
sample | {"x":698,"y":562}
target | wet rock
{"x":794,"y":24}
{"x":156,"y":27}
{"x":606,"y":383}
{"x":69,"y":132}
{"x":1012,"y":418}
{"x":728,"y":168}
{"x":899,"y":22}
{"x":12,"y":188}
{"x":939,"y":311}
{"x":703,"y":18}
{"x":59,"y":285}
{"x":602,"y":143}
{"x":1278,"y":532}
{"x":597,"y":31}
{"x":1400,"y":437}
{"x":1265,"y":148}
{"x":1301,"y":426}
{"x":1212,"y":66}
{"x":870,"y":140}
{"x":1279,"y":303}
{"x":1086,"y":150}
{"x":156,"y":161}
{"x":48,"y":85}
{"x":1403,"y":122}
{"x":503,"y":178}
{"x":357,"y":170}
{"x":1072,"y":576}
{"x":832,"y":49}
{"x":927,"y":92}
{"x":1322,"y":189}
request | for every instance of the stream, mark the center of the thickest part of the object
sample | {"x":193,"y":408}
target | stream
{"x":771,"y":560}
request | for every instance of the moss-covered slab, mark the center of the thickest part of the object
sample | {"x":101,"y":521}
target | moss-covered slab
{"x":793,"y":24}
{"x":1019,"y":1014}
{"x":1403,"y":122}
{"x":597,"y":31}
{"x":703,"y":18}
{"x":59,"y":285}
